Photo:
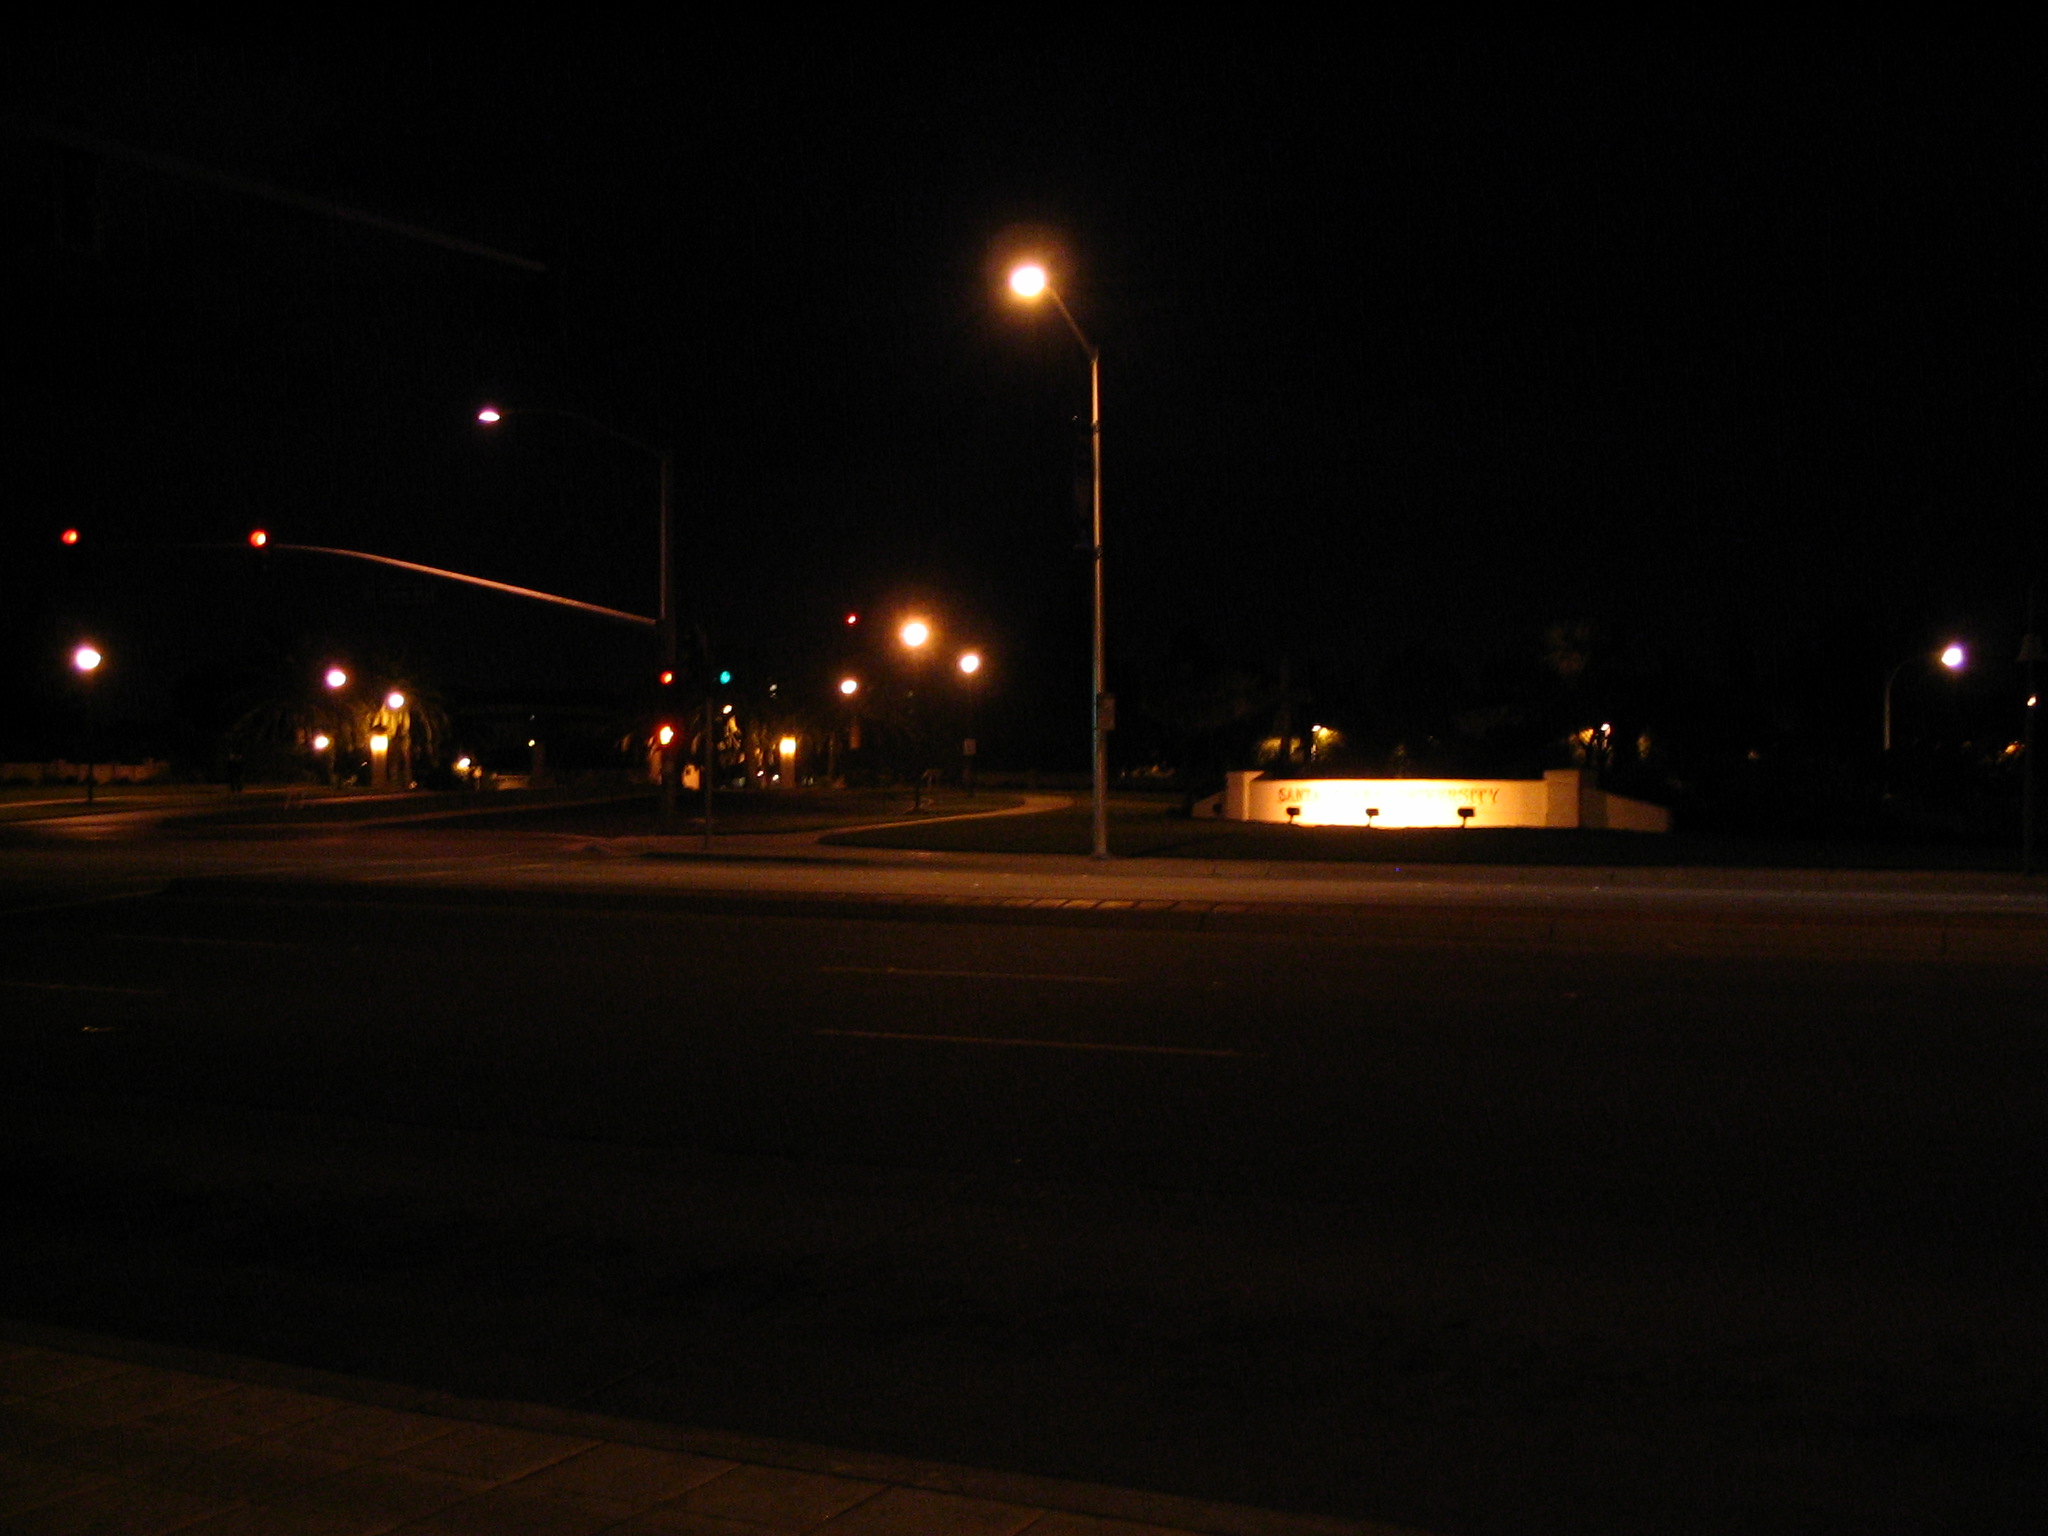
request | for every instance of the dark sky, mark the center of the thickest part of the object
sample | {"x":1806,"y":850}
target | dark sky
{"x":1713,"y":347}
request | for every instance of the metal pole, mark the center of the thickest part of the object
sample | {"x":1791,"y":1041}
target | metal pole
{"x":665,"y":620}
{"x":1100,"y":847}
{"x":2030,"y":769}
{"x":704,"y":769}
{"x":1099,"y":693}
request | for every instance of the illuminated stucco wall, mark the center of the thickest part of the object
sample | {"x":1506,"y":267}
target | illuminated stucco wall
{"x":1401,"y":802}
{"x":1561,"y":798}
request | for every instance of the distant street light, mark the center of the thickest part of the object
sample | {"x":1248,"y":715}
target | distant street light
{"x":849,"y":686}
{"x":394,"y":700}
{"x":335,"y":678}
{"x":1030,"y":282}
{"x":665,"y":616}
{"x":970,"y":664}
{"x":86,"y":660}
{"x":1951,"y":656}
{"x":915,"y":633}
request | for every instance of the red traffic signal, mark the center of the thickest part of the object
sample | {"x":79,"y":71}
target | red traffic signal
{"x":667,"y":678}
{"x":68,"y":536}
{"x":258,"y":538}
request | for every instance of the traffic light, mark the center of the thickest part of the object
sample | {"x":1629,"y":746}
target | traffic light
{"x":68,"y":536}
{"x":668,"y":679}
{"x":724,"y":678}
{"x":258,"y":538}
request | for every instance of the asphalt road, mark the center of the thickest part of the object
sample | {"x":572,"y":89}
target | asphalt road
{"x":1479,"y":1227}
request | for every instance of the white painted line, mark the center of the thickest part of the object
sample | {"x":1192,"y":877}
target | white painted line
{"x":904,"y":970}
{"x":66,"y":986}
{"x":183,"y":938}
{"x":1037,"y":1045}
{"x":84,"y":901}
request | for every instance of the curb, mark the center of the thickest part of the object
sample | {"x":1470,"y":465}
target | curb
{"x":1964,"y":936}
{"x":1207,"y":1517}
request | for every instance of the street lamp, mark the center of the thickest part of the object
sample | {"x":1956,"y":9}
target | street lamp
{"x":970,"y":663}
{"x":915,"y":635}
{"x":1030,"y":282}
{"x":1951,"y":656}
{"x":86,"y":660}
{"x":665,"y":616}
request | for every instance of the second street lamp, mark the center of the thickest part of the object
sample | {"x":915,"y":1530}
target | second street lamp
{"x":1030,"y":282}
{"x":1951,"y":656}
{"x":665,"y":613}
{"x":86,"y":661}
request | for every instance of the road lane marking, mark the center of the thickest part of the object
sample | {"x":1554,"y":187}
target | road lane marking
{"x":1038,"y":1045}
{"x":905,"y":970}
{"x":185,"y":938}
{"x":72,"y":986}
{"x":84,"y":901}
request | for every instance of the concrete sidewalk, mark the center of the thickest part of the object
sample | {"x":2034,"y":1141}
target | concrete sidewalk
{"x":105,"y":1436}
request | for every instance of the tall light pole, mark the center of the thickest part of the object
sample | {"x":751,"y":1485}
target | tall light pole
{"x":2030,"y":657}
{"x":970,"y":664}
{"x":1030,"y":282}
{"x":665,"y":612}
{"x":915,"y":635}
{"x":1952,"y":656}
{"x":86,"y":659}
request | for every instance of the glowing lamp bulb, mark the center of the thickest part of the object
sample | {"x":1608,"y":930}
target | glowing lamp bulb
{"x":915,"y":633}
{"x":394,"y":700}
{"x":68,"y":536}
{"x":258,"y":538}
{"x":1953,"y":657}
{"x":336,"y":678}
{"x":490,"y":415}
{"x":665,"y":735}
{"x":970,"y":663}
{"x":849,"y":686}
{"x":322,"y":742}
{"x":788,"y":745}
{"x":86,"y":659}
{"x":1028,"y":281}
{"x":853,"y":618}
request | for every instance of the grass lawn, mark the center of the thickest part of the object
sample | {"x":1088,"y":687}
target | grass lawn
{"x":1142,"y":828}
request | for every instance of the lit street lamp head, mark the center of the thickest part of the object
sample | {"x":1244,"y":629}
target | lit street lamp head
{"x":86,"y":659}
{"x":915,"y":633}
{"x":1953,"y":657}
{"x":1029,"y":280}
{"x":849,"y":686}
{"x":970,"y":662}
{"x":336,"y":678}
{"x":490,"y":416}
{"x":394,"y":700}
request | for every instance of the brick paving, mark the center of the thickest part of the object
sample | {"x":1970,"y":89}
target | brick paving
{"x":96,"y":1445}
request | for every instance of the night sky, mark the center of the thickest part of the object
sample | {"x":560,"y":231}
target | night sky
{"x":1415,"y":357}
